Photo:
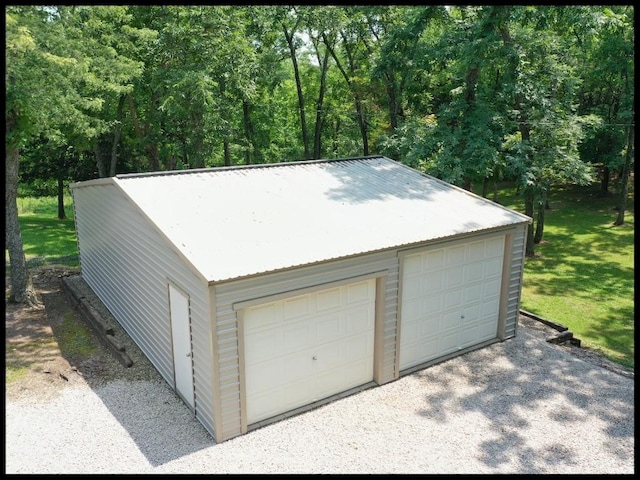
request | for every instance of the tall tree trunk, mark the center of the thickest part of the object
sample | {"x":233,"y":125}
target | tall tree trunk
{"x":61,"y":213}
{"x":362,"y":123}
{"x":485,"y":187}
{"x":393,"y":95}
{"x":150,"y":147}
{"x":624,"y":178}
{"x":539,"y":233}
{"x":227,"y":152}
{"x":604,"y":183}
{"x":116,"y":137}
{"x":317,"y":136}
{"x":336,"y":132}
{"x":296,"y":71}
{"x":22,"y":290}
{"x":250,"y":151}
{"x":102,"y":169}
{"x":528,"y":210}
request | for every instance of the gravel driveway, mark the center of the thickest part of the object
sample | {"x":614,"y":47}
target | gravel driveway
{"x":521,"y":406}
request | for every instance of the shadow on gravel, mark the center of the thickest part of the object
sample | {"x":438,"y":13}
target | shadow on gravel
{"x":537,"y":377}
{"x":159,"y":423}
{"x":140,"y":400}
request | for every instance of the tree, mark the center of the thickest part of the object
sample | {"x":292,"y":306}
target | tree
{"x":28,"y":69}
{"x":345,"y":41}
{"x":606,"y":44}
{"x":544,"y":148}
{"x":47,"y":51}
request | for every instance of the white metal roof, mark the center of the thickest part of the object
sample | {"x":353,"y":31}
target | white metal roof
{"x":240,"y":221}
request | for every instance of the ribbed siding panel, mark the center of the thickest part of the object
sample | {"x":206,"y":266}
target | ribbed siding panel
{"x":515,"y":280}
{"x":229,"y":293}
{"x":127,"y":264}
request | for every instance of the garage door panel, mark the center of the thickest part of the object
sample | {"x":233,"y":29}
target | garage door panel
{"x":357,"y":347}
{"x":493,"y":267}
{"x":413,"y":265}
{"x":488,"y":330}
{"x":356,"y":320}
{"x":329,"y":328}
{"x":258,"y":347}
{"x":491,"y":287}
{"x":459,"y":301}
{"x":432,"y":281}
{"x":454,"y":277}
{"x":359,"y":292}
{"x":328,"y":300}
{"x":490,"y":307}
{"x":471,"y":313}
{"x":452,"y":298}
{"x":269,"y":316}
{"x":448,"y":341}
{"x":476,"y":250}
{"x":336,"y":326}
{"x":297,"y":336}
{"x":428,"y":326}
{"x":412,"y":288}
{"x":431,"y":305}
{"x":411,"y":308}
{"x":434,"y":260}
{"x":495,"y":247}
{"x":473,"y":293}
{"x":271,"y":401}
{"x":455,"y":255}
{"x":474,"y":272}
{"x":469,"y":335}
{"x":296,"y":307}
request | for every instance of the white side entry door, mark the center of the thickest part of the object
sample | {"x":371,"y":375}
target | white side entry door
{"x":181,"y":336}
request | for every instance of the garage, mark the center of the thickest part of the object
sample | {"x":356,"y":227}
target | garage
{"x":270,"y":289}
{"x":307,"y":347}
{"x":450,"y":299}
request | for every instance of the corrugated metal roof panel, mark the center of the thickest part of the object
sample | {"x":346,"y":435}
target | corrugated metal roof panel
{"x":236,"y":222}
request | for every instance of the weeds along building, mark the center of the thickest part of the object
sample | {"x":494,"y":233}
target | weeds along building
{"x":262,"y":291}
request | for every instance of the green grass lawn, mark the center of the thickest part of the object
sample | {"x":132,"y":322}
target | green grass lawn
{"x":46,"y":239}
{"x":582,"y":275}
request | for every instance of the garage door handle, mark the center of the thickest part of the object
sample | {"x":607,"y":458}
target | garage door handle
{"x":189,"y":354}
{"x":315,"y":358}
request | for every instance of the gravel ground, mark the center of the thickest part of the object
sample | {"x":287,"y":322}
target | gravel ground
{"x":521,"y":406}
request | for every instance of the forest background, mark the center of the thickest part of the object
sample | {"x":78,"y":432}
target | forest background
{"x":538,"y":96}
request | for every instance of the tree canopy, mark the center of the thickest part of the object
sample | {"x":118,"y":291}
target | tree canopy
{"x":540,"y":95}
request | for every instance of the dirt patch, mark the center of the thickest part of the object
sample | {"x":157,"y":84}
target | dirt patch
{"x":52,"y":346}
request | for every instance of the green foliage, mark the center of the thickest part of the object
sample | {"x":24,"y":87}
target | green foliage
{"x":472,"y":93}
{"x":583,"y":273}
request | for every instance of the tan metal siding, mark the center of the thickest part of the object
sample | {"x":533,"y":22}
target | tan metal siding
{"x":229,"y":293}
{"x":515,"y":280}
{"x":128,"y":264}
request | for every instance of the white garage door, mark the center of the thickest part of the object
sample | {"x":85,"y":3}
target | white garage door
{"x":450,"y":299}
{"x":308,"y":347}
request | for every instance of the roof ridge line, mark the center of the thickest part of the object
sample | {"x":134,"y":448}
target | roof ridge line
{"x":243,"y":167}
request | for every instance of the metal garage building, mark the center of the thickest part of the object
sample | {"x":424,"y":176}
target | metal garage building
{"x":261,"y":291}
